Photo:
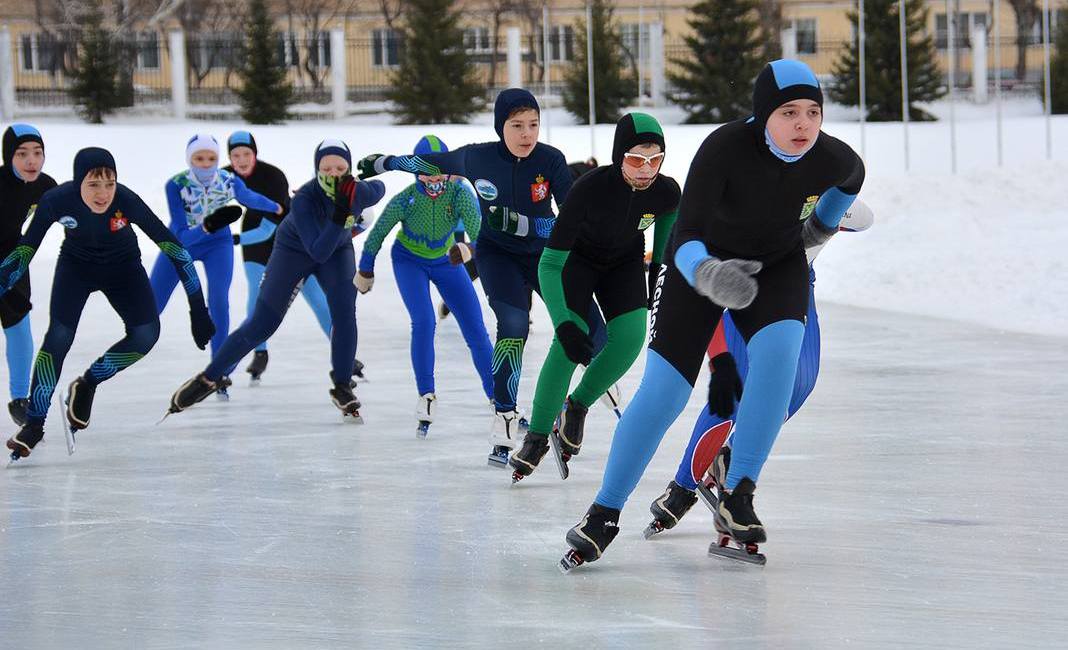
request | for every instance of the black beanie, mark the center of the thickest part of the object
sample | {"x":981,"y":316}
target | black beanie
{"x":92,"y":158}
{"x":241,"y":139}
{"x":509,"y":100}
{"x":780,"y":82}
{"x":16,"y":135}
{"x":634,"y":129}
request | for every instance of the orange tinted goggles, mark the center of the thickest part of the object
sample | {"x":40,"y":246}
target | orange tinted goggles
{"x":636,"y":160}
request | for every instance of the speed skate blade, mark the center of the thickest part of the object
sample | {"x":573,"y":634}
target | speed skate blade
{"x":708,"y":496}
{"x":570,"y":561}
{"x":731,"y":552}
{"x":558,"y":455}
{"x":352,"y":418}
{"x":68,"y":431}
{"x":422,"y":429}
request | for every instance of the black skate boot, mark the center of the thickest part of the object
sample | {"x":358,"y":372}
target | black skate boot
{"x":357,"y":372}
{"x":669,"y":508}
{"x":79,"y":400}
{"x":195,"y":390}
{"x":591,"y":536}
{"x":17,"y":408}
{"x":346,"y":401}
{"x":23,"y":442}
{"x":738,"y":526}
{"x":566,"y":438}
{"x":716,"y":475}
{"x":526,"y":460}
{"x":257,"y":366}
{"x":221,"y":393}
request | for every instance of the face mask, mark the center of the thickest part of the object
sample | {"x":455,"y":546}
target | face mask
{"x":204,"y":175}
{"x":434,"y":190}
{"x":328,"y":183}
{"x":779,"y":153}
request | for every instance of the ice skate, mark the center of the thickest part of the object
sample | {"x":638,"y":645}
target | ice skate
{"x":425,"y":407}
{"x":257,"y":366}
{"x":221,"y":393}
{"x":79,"y":403}
{"x":715,"y":476}
{"x":195,"y":390}
{"x":17,"y":408}
{"x":739,"y":530}
{"x":23,"y":442}
{"x":591,"y":536}
{"x":443,"y":310}
{"x":357,"y":372}
{"x":566,"y":438}
{"x":669,"y":508}
{"x":613,"y":399}
{"x":526,"y":460}
{"x":504,"y":435}
{"x":343,"y":397}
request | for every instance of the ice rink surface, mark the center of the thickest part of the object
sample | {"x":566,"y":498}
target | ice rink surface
{"x":917,"y":500}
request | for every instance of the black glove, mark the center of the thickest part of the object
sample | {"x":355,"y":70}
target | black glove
{"x":371,"y":165}
{"x":222,"y":218}
{"x":344,"y":193}
{"x":203,"y":328}
{"x":577,"y":344}
{"x":654,"y":273}
{"x":237,"y":239}
{"x":725,"y":385}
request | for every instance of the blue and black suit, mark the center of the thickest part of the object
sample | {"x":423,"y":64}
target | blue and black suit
{"x":742,"y":199}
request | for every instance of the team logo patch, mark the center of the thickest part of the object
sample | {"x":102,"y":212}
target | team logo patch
{"x":486,"y":189}
{"x":808,"y":208}
{"x":539,"y":189}
{"x":68,"y":222}
{"x":118,"y":222}
{"x":350,"y":221}
{"x":647,"y":220}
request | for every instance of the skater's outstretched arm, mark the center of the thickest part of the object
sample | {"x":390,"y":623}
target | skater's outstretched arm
{"x":698,"y":199}
{"x":834,"y":203}
{"x":431,"y":164}
{"x":15,"y":264}
{"x":257,"y":235}
{"x":466,"y":205}
{"x":252,"y":199}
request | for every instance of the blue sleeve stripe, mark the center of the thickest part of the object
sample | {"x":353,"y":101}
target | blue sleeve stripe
{"x":832,"y":206}
{"x":689,"y":256}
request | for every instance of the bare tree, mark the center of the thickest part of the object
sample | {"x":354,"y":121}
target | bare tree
{"x":1027,"y":13}
{"x":771,"y":22}
{"x":310,"y":16}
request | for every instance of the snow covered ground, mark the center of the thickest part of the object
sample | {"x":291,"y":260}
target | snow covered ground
{"x":917,"y":499}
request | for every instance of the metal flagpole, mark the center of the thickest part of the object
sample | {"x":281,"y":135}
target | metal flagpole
{"x":904,"y":79}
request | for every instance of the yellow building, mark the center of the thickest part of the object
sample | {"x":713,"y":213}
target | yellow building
{"x":818,"y":30}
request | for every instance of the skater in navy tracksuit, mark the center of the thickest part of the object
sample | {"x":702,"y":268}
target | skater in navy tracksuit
{"x":99,"y":253}
{"x":316,"y":239}
{"x":759,"y":192}
{"x":21,"y":185}
{"x":257,"y":234}
{"x":515,"y":179}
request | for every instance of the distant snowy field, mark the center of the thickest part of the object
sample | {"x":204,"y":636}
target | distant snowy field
{"x":985,"y":245}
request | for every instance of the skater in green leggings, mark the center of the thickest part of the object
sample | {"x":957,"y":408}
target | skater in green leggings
{"x":597,"y":248}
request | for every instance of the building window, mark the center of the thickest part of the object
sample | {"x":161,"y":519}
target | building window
{"x":39,"y":52}
{"x":319,"y":50}
{"x":477,"y":40}
{"x":386,"y":45}
{"x":214,"y":51}
{"x":962,"y":29}
{"x":148,"y":51}
{"x":561,"y":43}
{"x":635,"y":37}
{"x":805,"y":35}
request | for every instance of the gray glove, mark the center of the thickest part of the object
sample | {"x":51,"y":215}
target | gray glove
{"x":728,"y":283}
{"x":814,"y":233}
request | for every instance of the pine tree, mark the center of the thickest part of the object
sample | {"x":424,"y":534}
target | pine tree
{"x":94,"y":86}
{"x":265,"y":92}
{"x":1059,"y":70}
{"x":714,"y":82}
{"x":436,"y":82}
{"x":613,"y":90}
{"x":883,"y":63}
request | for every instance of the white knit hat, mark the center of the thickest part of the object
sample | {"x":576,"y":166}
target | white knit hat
{"x":200,"y":142}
